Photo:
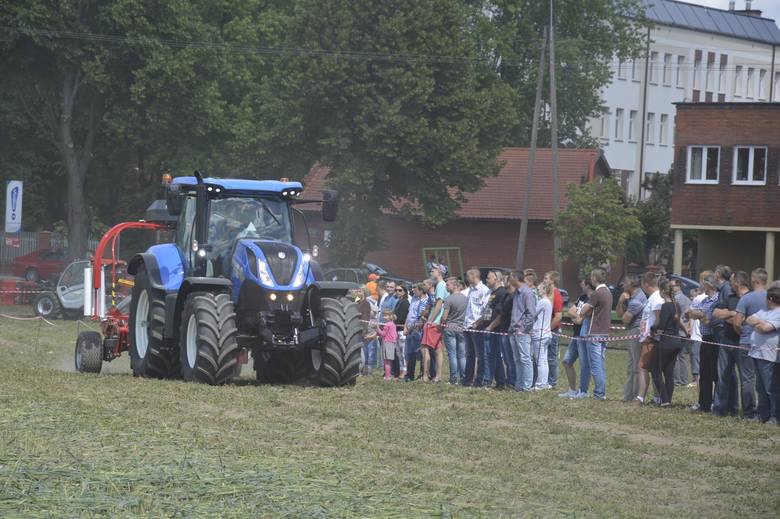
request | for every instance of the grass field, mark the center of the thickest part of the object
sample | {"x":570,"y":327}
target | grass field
{"x":112,"y":445}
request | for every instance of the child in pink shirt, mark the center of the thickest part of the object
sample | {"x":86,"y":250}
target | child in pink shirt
{"x":389,"y":336}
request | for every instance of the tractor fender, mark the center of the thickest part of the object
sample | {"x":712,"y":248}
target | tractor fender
{"x":164,"y":265}
{"x":174,"y":302}
{"x":320,"y":289}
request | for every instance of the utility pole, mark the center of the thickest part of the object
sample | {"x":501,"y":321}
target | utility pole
{"x":554,"y":143}
{"x":532,"y":157}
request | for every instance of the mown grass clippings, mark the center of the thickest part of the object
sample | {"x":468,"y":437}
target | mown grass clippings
{"x":75,"y":445}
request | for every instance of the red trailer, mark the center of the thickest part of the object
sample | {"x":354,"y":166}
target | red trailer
{"x":106,"y":301}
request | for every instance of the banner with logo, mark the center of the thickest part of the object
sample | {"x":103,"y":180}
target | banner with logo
{"x":13,"y":206}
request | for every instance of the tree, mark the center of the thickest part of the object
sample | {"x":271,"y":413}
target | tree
{"x":394,"y":98}
{"x":588,"y":35}
{"x":134,"y":87}
{"x":654,"y":214}
{"x":596,"y":225}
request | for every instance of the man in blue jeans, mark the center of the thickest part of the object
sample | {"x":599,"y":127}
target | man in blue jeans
{"x":523,"y":317}
{"x":452,"y":320}
{"x":477,"y":295}
{"x":494,"y":367}
{"x":599,"y":309}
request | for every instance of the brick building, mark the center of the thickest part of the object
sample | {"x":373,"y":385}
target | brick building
{"x":485,"y":232}
{"x":727,"y":184}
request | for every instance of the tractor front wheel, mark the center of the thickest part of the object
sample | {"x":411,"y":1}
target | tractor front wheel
{"x":337,"y":363}
{"x":150,"y":356}
{"x":208,"y":339}
{"x":89,"y":352}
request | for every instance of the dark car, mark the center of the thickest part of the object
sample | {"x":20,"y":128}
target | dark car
{"x":686,"y":284}
{"x":359,"y":275}
{"x":39,"y":265}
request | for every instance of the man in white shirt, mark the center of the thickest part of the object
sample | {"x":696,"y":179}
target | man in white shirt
{"x":478,"y":295}
{"x":649,"y":315}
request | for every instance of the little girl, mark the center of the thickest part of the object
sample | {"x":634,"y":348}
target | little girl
{"x":389,"y":336}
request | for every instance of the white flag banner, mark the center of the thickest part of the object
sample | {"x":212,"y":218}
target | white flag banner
{"x":13,"y":206}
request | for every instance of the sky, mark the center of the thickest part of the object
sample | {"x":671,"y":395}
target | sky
{"x":770,"y":8}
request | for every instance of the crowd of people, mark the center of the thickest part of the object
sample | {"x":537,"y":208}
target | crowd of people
{"x":505,"y":333}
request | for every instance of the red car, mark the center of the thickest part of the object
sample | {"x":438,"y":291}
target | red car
{"x":38,"y":265}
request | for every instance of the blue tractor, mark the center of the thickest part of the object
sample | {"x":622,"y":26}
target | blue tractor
{"x":234,"y":283}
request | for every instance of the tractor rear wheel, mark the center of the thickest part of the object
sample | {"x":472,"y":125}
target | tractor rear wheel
{"x":150,"y":356}
{"x":89,"y":352}
{"x":337,"y":363}
{"x":280,"y":367}
{"x":46,"y":305}
{"x":208,"y":339}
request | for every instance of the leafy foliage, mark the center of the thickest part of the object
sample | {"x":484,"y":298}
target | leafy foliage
{"x":406,"y":131}
{"x":654,"y":214}
{"x":596,"y":225}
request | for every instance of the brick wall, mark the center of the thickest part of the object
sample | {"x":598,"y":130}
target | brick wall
{"x":723,"y":204}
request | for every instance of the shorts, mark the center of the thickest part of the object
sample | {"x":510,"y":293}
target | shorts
{"x":572,"y":352}
{"x":431,"y":336}
{"x":647,"y":355}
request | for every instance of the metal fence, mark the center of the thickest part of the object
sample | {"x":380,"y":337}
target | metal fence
{"x":31,"y":242}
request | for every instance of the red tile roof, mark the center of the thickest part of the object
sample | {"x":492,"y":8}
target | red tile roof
{"x":502,"y":196}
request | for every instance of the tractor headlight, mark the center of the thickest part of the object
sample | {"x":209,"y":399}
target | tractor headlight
{"x":300,"y":274}
{"x":263,"y":273}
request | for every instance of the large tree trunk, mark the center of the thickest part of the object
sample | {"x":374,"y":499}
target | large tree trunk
{"x":76,"y":160}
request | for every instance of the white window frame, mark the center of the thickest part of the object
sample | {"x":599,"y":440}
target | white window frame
{"x":653,"y":64}
{"x":704,"y":147}
{"x":761,"y":79}
{"x":722,"y":78}
{"x":632,"y":125}
{"x":680,"y":78}
{"x":738,"y":81}
{"x":663,"y":133}
{"x":750,"y":166}
{"x":650,"y":128}
{"x":604,"y":125}
{"x":619,"y":116}
{"x":621,"y":72}
{"x":667,"y":71}
{"x":751,"y":83}
{"x":697,"y":74}
{"x":633,"y":71}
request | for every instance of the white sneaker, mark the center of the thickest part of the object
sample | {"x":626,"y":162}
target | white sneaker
{"x":580,"y":395}
{"x":568,"y":394}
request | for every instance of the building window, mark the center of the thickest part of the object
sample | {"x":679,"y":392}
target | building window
{"x":750,"y":165}
{"x":777,"y":86}
{"x":632,"y":125}
{"x":621,"y":69}
{"x":633,"y":70}
{"x":650,"y":128}
{"x":750,"y":88}
{"x":667,"y":69}
{"x":679,"y":79}
{"x":618,"y":124}
{"x":738,"y":81}
{"x":722,"y":74}
{"x":709,"y":78}
{"x":604,"y":125}
{"x":653,"y":64}
{"x":697,"y":72}
{"x":703,"y":163}
{"x":663,"y":135}
{"x":761,"y":80}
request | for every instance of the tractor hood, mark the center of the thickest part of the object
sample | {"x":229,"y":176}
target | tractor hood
{"x":271,"y":264}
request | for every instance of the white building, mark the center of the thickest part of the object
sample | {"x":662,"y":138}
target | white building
{"x":696,"y":54}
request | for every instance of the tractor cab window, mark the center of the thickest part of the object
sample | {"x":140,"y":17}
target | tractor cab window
{"x":73,"y":275}
{"x":258,"y":218}
{"x":236,"y":218}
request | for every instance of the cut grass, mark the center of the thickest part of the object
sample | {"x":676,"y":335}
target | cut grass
{"x":85,"y":445}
